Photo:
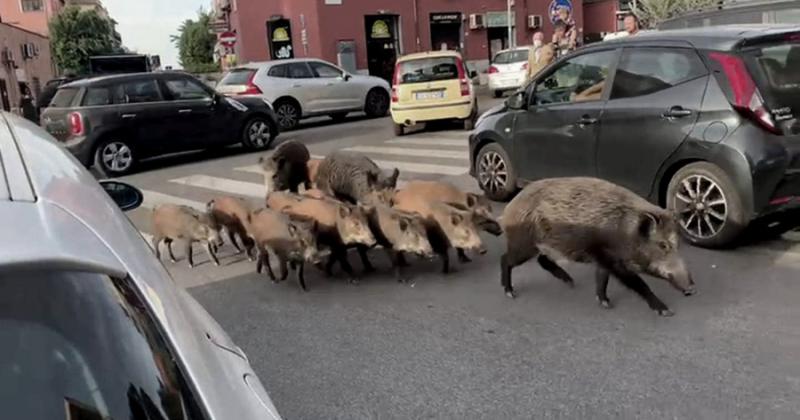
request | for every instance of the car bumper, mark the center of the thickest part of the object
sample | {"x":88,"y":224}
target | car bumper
{"x":81,"y":148}
{"x":506,"y":82}
{"x":412,"y":114}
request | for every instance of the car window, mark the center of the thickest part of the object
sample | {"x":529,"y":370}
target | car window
{"x":98,"y":96}
{"x":64,"y":97}
{"x":643,"y":71}
{"x":579,"y":79}
{"x":428,"y":70}
{"x":508,"y":57}
{"x":324,"y":70}
{"x":87,"y":349}
{"x":137,"y":91}
{"x":238,"y":77}
{"x":185,"y":90}
{"x":776,"y":70}
{"x":281,"y":71}
{"x":300,"y":71}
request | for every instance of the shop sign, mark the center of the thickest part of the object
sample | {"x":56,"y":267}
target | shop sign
{"x":444,"y":18}
{"x":280,"y":35}
{"x":380,"y":30}
{"x":499,"y":19}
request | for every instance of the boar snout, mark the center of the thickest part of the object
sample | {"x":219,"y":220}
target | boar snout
{"x":678,"y":275}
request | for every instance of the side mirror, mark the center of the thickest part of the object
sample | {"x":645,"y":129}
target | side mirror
{"x":473,"y":74}
{"x":126,"y":196}
{"x":346,"y":76}
{"x":518,"y":100}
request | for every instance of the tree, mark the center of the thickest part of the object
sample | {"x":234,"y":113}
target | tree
{"x":76,"y":35}
{"x":196,"y":44}
{"x":653,"y":12}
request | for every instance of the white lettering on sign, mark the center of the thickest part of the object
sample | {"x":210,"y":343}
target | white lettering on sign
{"x":333,"y":2}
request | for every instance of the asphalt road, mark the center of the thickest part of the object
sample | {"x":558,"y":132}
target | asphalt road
{"x":453,"y":346}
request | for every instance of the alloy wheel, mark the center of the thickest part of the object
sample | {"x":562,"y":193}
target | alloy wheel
{"x":377,"y":103}
{"x":492,"y":172}
{"x":701,"y":206}
{"x":287,"y":115}
{"x":116,"y":156}
{"x":258,"y":134}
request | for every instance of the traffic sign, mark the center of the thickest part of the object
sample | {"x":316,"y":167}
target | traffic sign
{"x":227,"y":39}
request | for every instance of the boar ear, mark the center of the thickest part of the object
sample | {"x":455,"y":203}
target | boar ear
{"x":472,"y":200}
{"x":372,"y":179}
{"x":391,"y":182}
{"x":292,"y":230}
{"x":648,"y":223}
{"x":344,"y":211}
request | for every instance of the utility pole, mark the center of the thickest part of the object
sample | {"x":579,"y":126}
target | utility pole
{"x":510,"y":3}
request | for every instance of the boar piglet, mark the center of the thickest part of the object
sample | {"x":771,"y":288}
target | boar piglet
{"x":397,"y":232}
{"x":171,"y":222}
{"x":286,"y":168}
{"x":446,"y":226}
{"x":594,"y":221}
{"x":293,"y":242}
{"x":231,"y":213}
{"x":355,"y":178}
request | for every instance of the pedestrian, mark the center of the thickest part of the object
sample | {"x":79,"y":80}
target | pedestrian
{"x":538,"y":42}
{"x":26,"y":105}
{"x":546,"y":56}
{"x":570,"y":35}
{"x":631,"y":24}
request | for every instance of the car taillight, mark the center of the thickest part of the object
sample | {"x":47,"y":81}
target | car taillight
{"x":524,"y":66}
{"x":493,"y":69}
{"x":462,"y":77}
{"x":746,"y":99}
{"x":395,"y":82}
{"x":76,"y":124}
{"x":250,"y":87}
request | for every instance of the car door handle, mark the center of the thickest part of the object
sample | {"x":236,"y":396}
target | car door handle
{"x":587,"y":120}
{"x":676,"y":112}
{"x":128,"y":116}
{"x":184,"y":111}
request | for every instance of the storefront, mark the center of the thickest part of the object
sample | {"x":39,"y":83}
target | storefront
{"x":446,"y":31}
{"x":279,"y":34}
{"x":382,"y":44}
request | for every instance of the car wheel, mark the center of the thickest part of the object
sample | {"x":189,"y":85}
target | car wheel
{"x":707,"y":205}
{"x":399,"y":130}
{"x":288,"y":114}
{"x":258,"y":134}
{"x":469,"y":123}
{"x":114,"y":158}
{"x":498,"y":93}
{"x":377,"y":104}
{"x":495,"y":173}
{"x":338,"y":117}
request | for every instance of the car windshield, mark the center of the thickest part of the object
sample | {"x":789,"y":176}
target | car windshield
{"x":237,"y":77}
{"x":428,"y":70}
{"x":86,"y":349}
{"x":64,"y":97}
{"x":777,"y":72}
{"x":509,"y":57}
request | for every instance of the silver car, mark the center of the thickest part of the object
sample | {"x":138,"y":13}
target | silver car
{"x":91,"y":324}
{"x":302,"y":88}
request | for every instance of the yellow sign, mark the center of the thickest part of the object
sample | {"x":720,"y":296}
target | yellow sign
{"x":280,"y":34}
{"x":380,"y":29}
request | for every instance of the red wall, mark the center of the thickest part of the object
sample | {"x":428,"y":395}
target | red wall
{"x":327,"y":24}
{"x":600,"y":17}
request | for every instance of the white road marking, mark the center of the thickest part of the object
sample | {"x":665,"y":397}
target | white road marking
{"x":256,"y":169}
{"x":431,"y":141}
{"x":154,"y":198}
{"x":224,"y":185}
{"x":423,"y":168}
{"x":411,"y":152}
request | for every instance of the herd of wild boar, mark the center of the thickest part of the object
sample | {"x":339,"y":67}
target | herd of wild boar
{"x":317,"y":210}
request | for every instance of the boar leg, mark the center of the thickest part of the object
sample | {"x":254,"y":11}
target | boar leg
{"x":362,"y":252}
{"x":401,"y":259}
{"x":212,"y":253}
{"x":462,"y":256}
{"x":232,"y":237}
{"x":299,"y":268}
{"x":263,"y":261}
{"x":601,"y":277}
{"x":632,"y":281}
{"x":284,"y":269}
{"x":445,"y":256}
{"x":395,"y":257}
{"x":188,"y":251}
{"x":553,"y":268}
{"x":508,"y":261}
{"x":172,"y":258}
{"x":156,"y":246}
{"x":341,"y":256}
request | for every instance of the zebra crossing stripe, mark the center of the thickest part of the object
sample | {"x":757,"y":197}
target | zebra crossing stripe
{"x":402,"y":151}
{"x":224,"y":185}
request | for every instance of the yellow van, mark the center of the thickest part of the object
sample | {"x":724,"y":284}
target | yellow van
{"x":432,"y":86}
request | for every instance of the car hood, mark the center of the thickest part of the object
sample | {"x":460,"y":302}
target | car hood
{"x":497,"y":109}
{"x":369,"y":79}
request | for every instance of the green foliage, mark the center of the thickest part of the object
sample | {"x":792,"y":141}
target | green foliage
{"x":653,"y":12}
{"x":76,"y":35}
{"x":196,"y":44}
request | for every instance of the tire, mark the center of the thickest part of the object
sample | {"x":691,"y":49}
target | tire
{"x":713,"y":218}
{"x":114,"y":157}
{"x":495,"y":173}
{"x":339,"y":117}
{"x":469,"y":123}
{"x":399,"y":130}
{"x":498,"y":93}
{"x":288,"y":114}
{"x":258,"y":133}
{"x":377,"y":103}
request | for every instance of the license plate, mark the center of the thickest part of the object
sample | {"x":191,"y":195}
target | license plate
{"x":429,"y":95}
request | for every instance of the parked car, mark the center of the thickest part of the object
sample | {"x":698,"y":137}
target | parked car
{"x":303,"y":88}
{"x":112,"y":122}
{"x":702,"y":121}
{"x":49,"y":91}
{"x":509,"y":70}
{"x":92,"y":324}
{"x":432,"y":86}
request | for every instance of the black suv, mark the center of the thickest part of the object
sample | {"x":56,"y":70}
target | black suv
{"x":701,"y":121}
{"x":112,"y":122}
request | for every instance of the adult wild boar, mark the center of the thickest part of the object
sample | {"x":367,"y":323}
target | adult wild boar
{"x":231,"y":213}
{"x":286,"y":168}
{"x":594,"y":221}
{"x":355,"y":178}
{"x":172,"y":222}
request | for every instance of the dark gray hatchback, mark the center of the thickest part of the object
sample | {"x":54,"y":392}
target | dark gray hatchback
{"x":700,"y":121}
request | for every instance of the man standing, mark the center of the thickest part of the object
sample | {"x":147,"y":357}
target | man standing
{"x":538,"y":41}
{"x":631,"y":24}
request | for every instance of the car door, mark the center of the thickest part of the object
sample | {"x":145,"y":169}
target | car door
{"x":654,"y":104}
{"x":194,"y":120}
{"x":557,"y":135}
{"x":337,"y":92}
{"x":305,"y":87}
{"x":143,"y":114}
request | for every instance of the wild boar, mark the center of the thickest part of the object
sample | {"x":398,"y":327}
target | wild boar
{"x":172,"y":222}
{"x":292,"y":241}
{"x":594,"y":221}
{"x":340,"y":225}
{"x":397,"y":232}
{"x":355,"y":178}
{"x":318,"y":194}
{"x":448,"y":193}
{"x":231,"y":213}
{"x":446,"y":226}
{"x":286,"y":168}
{"x":313,"y":168}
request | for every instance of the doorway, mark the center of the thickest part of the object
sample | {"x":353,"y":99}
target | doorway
{"x":382,"y":45}
{"x":4,"y":96}
{"x":498,"y":40}
{"x":446,"y":31}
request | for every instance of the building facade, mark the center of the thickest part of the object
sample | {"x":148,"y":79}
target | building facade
{"x":366,"y":36}
{"x":32,"y":15}
{"x":24,"y":61}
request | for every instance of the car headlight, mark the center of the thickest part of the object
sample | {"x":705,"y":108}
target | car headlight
{"x":269,"y":104}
